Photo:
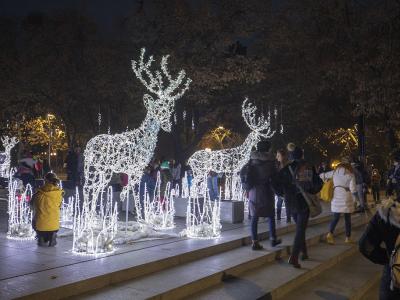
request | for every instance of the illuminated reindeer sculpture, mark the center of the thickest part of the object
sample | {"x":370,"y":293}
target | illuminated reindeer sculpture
{"x":230,"y":161}
{"x":130,"y":152}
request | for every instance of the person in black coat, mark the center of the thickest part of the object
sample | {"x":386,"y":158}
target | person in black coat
{"x":262,"y":167}
{"x":384,"y":227}
{"x":298,"y":206}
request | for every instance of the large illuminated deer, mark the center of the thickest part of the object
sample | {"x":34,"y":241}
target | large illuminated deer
{"x":130,"y":152}
{"x":231,"y":161}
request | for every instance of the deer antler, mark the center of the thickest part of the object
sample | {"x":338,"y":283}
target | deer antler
{"x":259,"y":124}
{"x":8,"y":142}
{"x":155,"y":82}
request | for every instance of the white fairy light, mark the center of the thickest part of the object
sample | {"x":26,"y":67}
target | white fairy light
{"x":130,"y":152}
{"x":19,"y":210}
{"x":67,"y":210}
{"x":94,"y":231}
{"x":184,"y":115}
{"x":8,"y":144}
{"x":230,"y":161}
{"x":203,"y":220}
{"x":281,"y":129}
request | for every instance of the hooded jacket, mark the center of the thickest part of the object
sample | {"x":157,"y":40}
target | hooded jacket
{"x":261,"y":195}
{"x":384,"y":228}
{"x":47,"y":202}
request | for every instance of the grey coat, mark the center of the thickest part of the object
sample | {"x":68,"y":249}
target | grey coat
{"x":261,"y":195}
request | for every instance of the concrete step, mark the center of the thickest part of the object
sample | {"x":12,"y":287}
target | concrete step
{"x":352,"y":278}
{"x":184,"y":280}
{"x":74,"y":279}
{"x":276,"y":279}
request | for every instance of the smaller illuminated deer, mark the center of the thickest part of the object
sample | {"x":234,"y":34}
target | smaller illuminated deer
{"x":8,"y":144}
{"x":231,"y":160}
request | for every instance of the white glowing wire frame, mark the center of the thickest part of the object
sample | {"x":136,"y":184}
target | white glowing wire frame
{"x":94,"y":230}
{"x":203,"y":219}
{"x":8,"y":144}
{"x":230,"y":161}
{"x":130,"y":152}
{"x":67,"y":210}
{"x":158,"y":210}
{"x":19,"y":211}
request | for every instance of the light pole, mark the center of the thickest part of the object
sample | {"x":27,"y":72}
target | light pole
{"x":49,"y":118}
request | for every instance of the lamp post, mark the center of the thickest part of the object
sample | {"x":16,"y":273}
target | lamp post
{"x":49,"y":118}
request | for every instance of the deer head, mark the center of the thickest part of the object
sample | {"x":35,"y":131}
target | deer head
{"x":163,"y":104}
{"x":260,"y":126}
{"x":8,"y":142}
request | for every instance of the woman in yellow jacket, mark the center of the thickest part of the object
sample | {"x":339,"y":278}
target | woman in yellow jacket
{"x":47,"y":202}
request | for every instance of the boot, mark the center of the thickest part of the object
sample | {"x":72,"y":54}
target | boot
{"x":294,"y":261}
{"x":349,"y":240}
{"x":275,"y":242}
{"x":41,"y":242}
{"x":53,"y":240}
{"x":278,"y":214}
{"x":256,"y":246}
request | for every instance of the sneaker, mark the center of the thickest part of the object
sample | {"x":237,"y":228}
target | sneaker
{"x":329,"y":239}
{"x":348,"y":240}
{"x":275,"y":242}
{"x":256,"y":246}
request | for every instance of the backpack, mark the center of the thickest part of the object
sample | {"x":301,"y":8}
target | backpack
{"x":395,"y":265}
{"x":246,"y":177}
{"x":307,"y":179}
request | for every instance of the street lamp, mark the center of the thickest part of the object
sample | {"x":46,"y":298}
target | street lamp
{"x":49,"y":118}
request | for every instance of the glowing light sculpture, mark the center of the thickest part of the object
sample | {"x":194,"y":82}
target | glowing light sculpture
{"x":19,"y":211}
{"x":203,"y":219}
{"x":67,"y":210}
{"x":158,"y":210}
{"x":230,"y":161}
{"x":94,"y":231}
{"x":8,"y":144}
{"x":130,"y":152}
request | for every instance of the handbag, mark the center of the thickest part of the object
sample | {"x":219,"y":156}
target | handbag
{"x":327,"y":190}
{"x":312,"y":201}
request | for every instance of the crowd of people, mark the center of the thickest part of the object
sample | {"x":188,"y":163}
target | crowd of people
{"x":288,"y":178}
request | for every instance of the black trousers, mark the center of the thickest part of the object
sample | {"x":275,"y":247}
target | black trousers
{"x":46,"y":235}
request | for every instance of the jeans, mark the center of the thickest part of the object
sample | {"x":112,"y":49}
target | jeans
{"x":347,"y":222}
{"x":375,"y":193}
{"x":212,"y":185}
{"x":254,"y":226}
{"x":299,"y":244}
{"x":279,"y":203}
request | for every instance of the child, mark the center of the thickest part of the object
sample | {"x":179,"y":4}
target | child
{"x":46,"y":203}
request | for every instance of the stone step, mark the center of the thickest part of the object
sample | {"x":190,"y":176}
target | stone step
{"x":352,"y":278}
{"x":276,"y":279}
{"x":184,"y":280}
{"x":75,"y":279}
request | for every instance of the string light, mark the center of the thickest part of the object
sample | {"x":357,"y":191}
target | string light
{"x":19,"y":210}
{"x":231,"y":160}
{"x":129,"y":152}
{"x":8,"y":144}
{"x":203,"y":219}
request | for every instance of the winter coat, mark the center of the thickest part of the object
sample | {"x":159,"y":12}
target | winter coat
{"x":286,"y":187}
{"x":47,"y":202}
{"x":384,"y":227}
{"x":344,"y":184}
{"x":261,"y":195}
{"x":176,"y":172}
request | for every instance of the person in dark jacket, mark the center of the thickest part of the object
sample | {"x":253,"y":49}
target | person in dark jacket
{"x":384,"y":227}
{"x":298,"y":205}
{"x":262,"y":167}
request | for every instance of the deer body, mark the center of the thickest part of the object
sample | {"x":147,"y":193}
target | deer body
{"x":130,"y":152}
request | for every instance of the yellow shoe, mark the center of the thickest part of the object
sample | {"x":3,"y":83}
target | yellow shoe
{"x":348,"y":240}
{"x":329,"y":239}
